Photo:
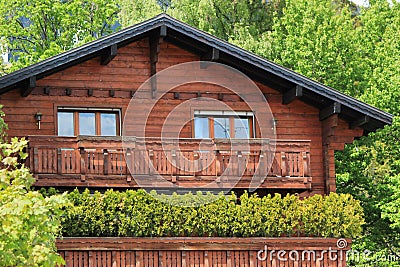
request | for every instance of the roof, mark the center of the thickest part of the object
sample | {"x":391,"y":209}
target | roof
{"x":290,"y":83}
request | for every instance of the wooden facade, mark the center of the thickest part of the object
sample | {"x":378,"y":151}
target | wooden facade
{"x":204,"y":252}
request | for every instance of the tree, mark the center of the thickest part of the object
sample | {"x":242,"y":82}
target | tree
{"x":36,"y":30}
{"x":221,"y":18}
{"x":316,"y":38}
{"x":133,"y":12}
{"x":369,"y":169}
{"x":226,"y":19}
{"x":29,"y":222}
{"x":380,"y":37}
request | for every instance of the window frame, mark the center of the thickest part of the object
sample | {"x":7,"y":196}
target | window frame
{"x":211,"y":115}
{"x":97,"y":111}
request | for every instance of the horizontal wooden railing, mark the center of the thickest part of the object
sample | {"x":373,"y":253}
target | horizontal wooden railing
{"x":204,"y":252}
{"x":218,"y":160}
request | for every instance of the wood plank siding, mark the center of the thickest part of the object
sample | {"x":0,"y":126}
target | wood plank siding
{"x":204,"y":252}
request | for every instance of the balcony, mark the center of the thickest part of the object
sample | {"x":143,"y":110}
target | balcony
{"x":151,"y":163}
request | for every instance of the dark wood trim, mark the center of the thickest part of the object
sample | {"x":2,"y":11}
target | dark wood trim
{"x":109,"y":54}
{"x":212,"y":55}
{"x":360,"y":122}
{"x":68,"y":91}
{"x":292,"y":94}
{"x":30,"y":84}
{"x":330,"y":110}
{"x":163,"y":31}
{"x":46,"y":90}
{"x":154,"y":47}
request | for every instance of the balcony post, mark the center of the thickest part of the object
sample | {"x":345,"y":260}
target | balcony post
{"x":83,"y":163}
{"x":35,"y":160}
{"x":306,"y":166}
{"x":217,"y":163}
{"x":106,"y":159}
{"x":151,"y":162}
{"x":129,"y":161}
{"x":283,"y":164}
{"x":241,"y":163}
{"x":261,"y":165}
{"x":59,"y":161}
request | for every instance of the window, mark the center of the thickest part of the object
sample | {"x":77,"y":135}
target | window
{"x":86,"y":121}
{"x":223,"y":124}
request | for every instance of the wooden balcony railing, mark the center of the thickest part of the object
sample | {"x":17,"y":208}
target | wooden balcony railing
{"x":108,"y":161}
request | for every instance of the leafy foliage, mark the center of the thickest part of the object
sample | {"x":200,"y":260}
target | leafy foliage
{"x":139,"y":214}
{"x":36,"y":30}
{"x":29,"y":222}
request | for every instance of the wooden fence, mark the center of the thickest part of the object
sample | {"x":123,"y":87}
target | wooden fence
{"x":204,"y":252}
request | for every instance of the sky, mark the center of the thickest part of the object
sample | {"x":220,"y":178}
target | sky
{"x":360,"y":2}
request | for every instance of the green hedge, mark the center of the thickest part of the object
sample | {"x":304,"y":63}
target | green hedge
{"x":139,"y":214}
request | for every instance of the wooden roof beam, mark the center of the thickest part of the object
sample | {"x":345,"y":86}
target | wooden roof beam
{"x":154,"y":44}
{"x":29,"y":85}
{"x":211,"y":55}
{"x":360,"y":122}
{"x":109,"y":54}
{"x":292,"y":94}
{"x":330,"y":110}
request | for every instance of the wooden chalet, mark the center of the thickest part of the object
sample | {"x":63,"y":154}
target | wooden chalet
{"x":71,"y":108}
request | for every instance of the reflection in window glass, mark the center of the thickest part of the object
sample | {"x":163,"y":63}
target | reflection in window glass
{"x":242,"y":128}
{"x":87,"y":124}
{"x":108,"y":124}
{"x":221,"y":127}
{"x":201,"y":128}
{"x":65,"y":121}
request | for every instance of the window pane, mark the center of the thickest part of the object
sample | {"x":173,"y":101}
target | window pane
{"x":201,"y":128}
{"x":221,"y":127}
{"x":108,"y":124}
{"x":87,"y":124}
{"x":242,"y":128}
{"x":65,"y":122}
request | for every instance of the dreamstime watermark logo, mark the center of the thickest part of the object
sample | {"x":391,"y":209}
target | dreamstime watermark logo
{"x":333,"y":254}
{"x":339,"y":253}
{"x":196,"y":98}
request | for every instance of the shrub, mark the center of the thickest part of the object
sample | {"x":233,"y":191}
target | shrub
{"x":141,"y":214}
